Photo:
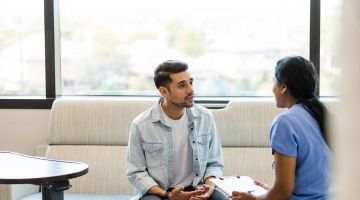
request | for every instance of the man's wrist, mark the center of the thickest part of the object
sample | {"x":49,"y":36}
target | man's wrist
{"x":166,"y":195}
{"x":207,"y":180}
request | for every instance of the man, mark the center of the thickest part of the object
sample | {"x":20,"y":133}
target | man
{"x":173,"y":147}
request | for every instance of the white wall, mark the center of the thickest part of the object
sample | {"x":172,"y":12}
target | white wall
{"x":347,"y":139}
{"x":21,"y":130}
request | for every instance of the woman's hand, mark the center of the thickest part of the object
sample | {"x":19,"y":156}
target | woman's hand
{"x":263,"y":185}
{"x":242,"y":196}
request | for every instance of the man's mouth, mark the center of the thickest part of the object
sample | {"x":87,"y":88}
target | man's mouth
{"x":191,"y":97}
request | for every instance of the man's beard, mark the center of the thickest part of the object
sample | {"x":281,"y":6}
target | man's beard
{"x":182,"y":105}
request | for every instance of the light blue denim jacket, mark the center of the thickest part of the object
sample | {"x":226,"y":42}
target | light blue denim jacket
{"x":150,"y":155}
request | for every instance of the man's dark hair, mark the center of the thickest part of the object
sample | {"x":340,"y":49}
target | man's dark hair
{"x":163,"y":71}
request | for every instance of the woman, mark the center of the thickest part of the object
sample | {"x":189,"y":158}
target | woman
{"x":298,"y":136}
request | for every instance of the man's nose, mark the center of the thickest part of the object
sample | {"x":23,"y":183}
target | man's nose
{"x":190,"y":89}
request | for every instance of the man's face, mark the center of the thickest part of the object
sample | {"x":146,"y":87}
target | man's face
{"x":180,"y":92}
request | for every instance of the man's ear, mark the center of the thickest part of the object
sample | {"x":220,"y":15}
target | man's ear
{"x":163,"y":91}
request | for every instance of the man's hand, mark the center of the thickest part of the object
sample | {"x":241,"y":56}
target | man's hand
{"x":180,"y":194}
{"x":207,"y":189}
{"x":206,"y":193}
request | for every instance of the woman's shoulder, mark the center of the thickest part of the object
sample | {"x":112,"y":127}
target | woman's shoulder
{"x":283,"y":117}
{"x":289,"y":116}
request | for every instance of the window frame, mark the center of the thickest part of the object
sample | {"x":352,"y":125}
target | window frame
{"x":52,"y":59}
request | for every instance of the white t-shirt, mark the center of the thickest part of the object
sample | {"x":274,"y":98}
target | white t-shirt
{"x":183,"y":154}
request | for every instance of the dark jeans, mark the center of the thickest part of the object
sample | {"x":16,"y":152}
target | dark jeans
{"x":216,"y":195}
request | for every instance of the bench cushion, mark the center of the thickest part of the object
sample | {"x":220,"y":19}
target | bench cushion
{"x":254,"y":162}
{"x":37,"y":196}
{"x":93,"y":121}
{"x":245,"y":123}
{"x":107,"y":166}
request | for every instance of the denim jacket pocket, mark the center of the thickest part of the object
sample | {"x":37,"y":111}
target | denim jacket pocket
{"x":153,"y":154}
{"x":203,"y":146}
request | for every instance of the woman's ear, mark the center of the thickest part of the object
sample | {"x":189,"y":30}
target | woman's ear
{"x":283,"y":89}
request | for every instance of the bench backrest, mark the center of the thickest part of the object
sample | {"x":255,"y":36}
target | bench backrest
{"x":95,"y":131}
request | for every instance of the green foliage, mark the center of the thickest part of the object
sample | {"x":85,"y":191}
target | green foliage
{"x":186,"y":38}
{"x":141,"y":83}
{"x":7,"y":37}
{"x":105,"y":42}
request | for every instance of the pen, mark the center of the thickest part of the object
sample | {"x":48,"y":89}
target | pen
{"x":250,"y":191}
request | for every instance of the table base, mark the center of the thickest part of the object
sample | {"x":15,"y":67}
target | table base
{"x":55,"y":190}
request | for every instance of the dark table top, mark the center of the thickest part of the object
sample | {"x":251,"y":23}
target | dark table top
{"x":17,"y":168}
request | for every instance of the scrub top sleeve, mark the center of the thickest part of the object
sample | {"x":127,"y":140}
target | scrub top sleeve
{"x":283,"y":137}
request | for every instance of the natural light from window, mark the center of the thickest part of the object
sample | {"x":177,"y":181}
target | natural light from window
{"x":22,"y":54}
{"x":330,"y":70}
{"x":111,"y":47}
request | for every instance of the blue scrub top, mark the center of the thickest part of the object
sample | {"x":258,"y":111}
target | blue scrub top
{"x":295,"y":133}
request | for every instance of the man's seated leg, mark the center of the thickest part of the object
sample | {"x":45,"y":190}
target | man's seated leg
{"x":150,"y":197}
{"x":216,"y":195}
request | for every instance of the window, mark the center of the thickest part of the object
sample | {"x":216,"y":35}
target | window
{"x":329,"y":59}
{"x":111,"y":47}
{"x":22,"y":56}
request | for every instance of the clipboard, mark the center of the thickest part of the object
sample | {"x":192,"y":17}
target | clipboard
{"x":228,"y":184}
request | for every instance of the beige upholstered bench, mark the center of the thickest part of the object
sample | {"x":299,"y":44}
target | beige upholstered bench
{"x":95,"y":131}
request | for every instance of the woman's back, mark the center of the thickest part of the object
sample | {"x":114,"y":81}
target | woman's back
{"x":295,"y":133}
